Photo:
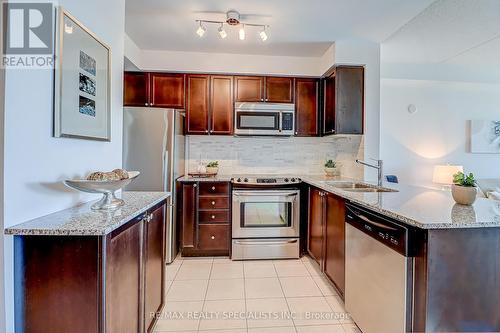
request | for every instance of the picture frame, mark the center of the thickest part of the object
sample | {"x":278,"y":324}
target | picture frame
{"x":485,"y":136}
{"x":82,"y":82}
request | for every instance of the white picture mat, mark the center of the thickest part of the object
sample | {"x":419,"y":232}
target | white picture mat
{"x":70,"y":122}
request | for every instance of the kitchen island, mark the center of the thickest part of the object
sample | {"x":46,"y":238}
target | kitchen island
{"x":80,"y":270}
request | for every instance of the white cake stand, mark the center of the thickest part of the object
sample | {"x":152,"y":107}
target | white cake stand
{"x":106,"y":187}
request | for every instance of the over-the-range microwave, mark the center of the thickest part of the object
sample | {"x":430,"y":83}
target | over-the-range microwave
{"x":264,"y":119}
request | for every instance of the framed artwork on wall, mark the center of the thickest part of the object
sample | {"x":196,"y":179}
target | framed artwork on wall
{"x":82,"y":86}
{"x":485,"y":136}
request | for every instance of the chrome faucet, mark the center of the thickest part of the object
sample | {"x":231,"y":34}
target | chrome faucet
{"x":379,"y":167}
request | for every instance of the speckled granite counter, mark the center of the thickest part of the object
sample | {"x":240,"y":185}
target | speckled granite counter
{"x":83,"y":221}
{"x":217,"y":178}
{"x":421,"y":207}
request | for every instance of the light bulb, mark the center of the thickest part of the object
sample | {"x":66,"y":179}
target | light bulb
{"x":222,"y":32}
{"x":201,"y":31}
{"x":263,"y":35}
{"x":242,"y":33}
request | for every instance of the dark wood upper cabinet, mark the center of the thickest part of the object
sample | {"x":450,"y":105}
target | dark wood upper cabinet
{"x":135,"y":89}
{"x":197,"y":104}
{"x":306,"y":107}
{"x":279,"y":90}
{"x":343,"y":107}
{"x":335,"y":241}
{"x":315,"y":227}
{"x":167,"y":90}
{"x":221,"y":105}
{"x":249,"y":88}
{"x":153,"y":265}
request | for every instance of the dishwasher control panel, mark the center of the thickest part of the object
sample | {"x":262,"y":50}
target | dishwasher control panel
{"x":387,"y":231}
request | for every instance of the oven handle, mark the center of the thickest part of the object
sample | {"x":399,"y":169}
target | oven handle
{"x":265,"y":194}
{"x":293,"y":241}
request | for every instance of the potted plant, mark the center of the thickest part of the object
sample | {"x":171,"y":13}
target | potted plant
{"x":213,"y":167}
{"x":464,"y":189}
{"x":331,"y":169}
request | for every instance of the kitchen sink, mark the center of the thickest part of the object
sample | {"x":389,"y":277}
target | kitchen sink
{"x":357,"y":187}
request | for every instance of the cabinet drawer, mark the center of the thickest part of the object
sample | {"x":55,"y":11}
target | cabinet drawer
{"x":214,"y":203}
{"x":214,"y":216}
{"x":213,"y":237}
{"x":214,"y":188}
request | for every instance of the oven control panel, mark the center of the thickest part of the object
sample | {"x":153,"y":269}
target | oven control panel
{"x":265,"y":180}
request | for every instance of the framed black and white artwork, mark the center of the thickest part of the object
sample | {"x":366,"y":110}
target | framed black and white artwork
{"x":82,"y":82}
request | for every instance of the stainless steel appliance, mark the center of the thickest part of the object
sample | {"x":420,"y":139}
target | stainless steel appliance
{"x":264,"y":119}
{"x":379,"y":271}
{"x":265,"y":218}
{"x":154,"y":144}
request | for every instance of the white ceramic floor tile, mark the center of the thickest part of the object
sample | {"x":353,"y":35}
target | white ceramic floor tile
{"x":171,"y":271}
{"x":272,"y":330}
{"x":311,"y":311}
{"x":302,"y":286}
{"x":325,"y":286}
{"x":263,"y":288}
{"x":312,"y":267}
{"x":291,"y":269}
{"x":320,"y":329}
{"x":351,"y":328}
{"x":337,"y":306}
{"x":243,"y":330}
{"x":269,"y":312}
{"x":227,"y":271}
{"x":286,"y":261}
{"x":199,"y":260}
{"x":224,"y":314}
{"x":224,"y":260}
{"x":226,"y":289}
{"x":259,"y":269}
{"x":191,"y":290}
{"x":194,"y":271}
{"x":168,"y":283}
{"x":178,"y":316}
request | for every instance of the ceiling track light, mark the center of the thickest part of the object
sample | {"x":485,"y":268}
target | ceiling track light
{"x":222,"y":32}
{"x":233,"y":19}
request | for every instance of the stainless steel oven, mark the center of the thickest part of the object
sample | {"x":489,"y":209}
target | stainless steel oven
{"x":277,"y":119}
{"x":265,"y":223}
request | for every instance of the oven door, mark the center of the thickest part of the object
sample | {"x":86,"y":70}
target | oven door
{"x":265,"y":213}
{"x":257,"y":123}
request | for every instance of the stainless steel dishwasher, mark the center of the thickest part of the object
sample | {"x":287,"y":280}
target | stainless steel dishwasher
{"x":379,"y":271}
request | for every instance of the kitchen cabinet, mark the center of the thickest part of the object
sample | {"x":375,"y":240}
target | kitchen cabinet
{"x":135,"y":89}
{"x":279,"y":89}
{"x":209,"y":108}
{"x":249,"y":88}
{"x":343,"y":101}
{"x":326,"y":235}
{"x":160,"y":90}
{"x":205,"y":222}
{"x":306,"y":107}
{"x":93,"y":283}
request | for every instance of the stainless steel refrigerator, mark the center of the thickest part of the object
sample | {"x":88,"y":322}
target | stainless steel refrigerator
{"x":154,"y":144}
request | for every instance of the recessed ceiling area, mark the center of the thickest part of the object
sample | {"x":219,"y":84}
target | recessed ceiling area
{"x":297,"y":27}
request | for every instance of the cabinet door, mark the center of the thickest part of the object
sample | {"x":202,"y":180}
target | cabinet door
{"x":349,"y":100}
{"x":189,"y":203}
{"x":335,"y":240}
{"x":279,"y":90}
{"x":315,"y":232}
{"x":197,"y":104}
{"x":167,"y":90}
{"x":135,"y":89}
{"x":221,"y":102}
{"x":123,"y":276}
{"x":154,"y":244}
{"x":306,"y":107}
{"x":249,"y":88}
{"x":329,"y":105}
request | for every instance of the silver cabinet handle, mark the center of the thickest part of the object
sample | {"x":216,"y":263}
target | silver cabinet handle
{"x":213,"y":188}
{"x":213,"y":203}
{"x":206,"y":131}
{"x":146,"y":104}
{"x":213,"y":237}
{"x":195,"y":185}
{"x":213,"y":217}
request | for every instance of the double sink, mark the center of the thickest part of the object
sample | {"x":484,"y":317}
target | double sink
{"x":356,"y":186}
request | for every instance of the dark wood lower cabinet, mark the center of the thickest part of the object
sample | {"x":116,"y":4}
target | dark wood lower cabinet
{"x":315,"y":234}
{"x":109,"y":283}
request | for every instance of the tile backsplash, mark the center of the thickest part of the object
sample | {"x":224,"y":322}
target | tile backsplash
{"x":266,"y":155}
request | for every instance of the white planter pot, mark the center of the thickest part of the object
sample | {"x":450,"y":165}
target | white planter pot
{"x":212,"y":170}
{"x":332,"y":172}
{"x":464,"y":195}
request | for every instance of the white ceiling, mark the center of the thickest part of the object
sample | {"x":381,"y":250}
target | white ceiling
{"x":454,"y":32}
{"x":298,"y":27}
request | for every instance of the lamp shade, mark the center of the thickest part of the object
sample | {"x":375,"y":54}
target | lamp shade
{"x":443,"y":174}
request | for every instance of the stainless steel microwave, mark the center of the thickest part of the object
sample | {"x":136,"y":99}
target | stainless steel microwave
{"x":264,"y":119}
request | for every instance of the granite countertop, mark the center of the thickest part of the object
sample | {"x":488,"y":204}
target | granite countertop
{"x":216,"y":178}
{"x":82,"y":221}
{"x":421,"y":207}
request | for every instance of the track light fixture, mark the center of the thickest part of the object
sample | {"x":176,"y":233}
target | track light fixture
{"x":222,"y":32}
{"x":201,"y":30}
{"x":263,"y":34}
{"x":233,"y":19}
{"x":242,"y":32}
